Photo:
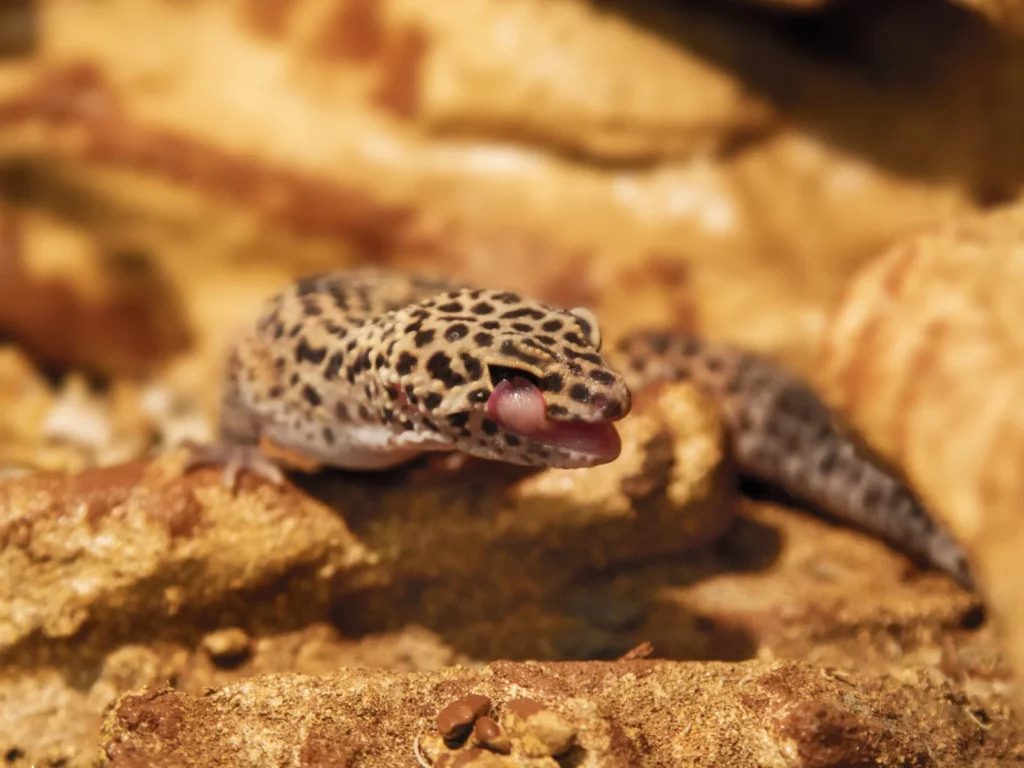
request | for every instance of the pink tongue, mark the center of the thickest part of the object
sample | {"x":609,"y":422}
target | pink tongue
{"x":519,"y":406}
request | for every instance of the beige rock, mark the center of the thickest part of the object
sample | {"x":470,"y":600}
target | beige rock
{"x":1007,"y":15}
{"x":926,"y":354}
{"x":156,"y":142}
{"x":537,"y":731}
{"x":105,"y":559}
{"x":627,"y":713}
{"x":69,"y":298}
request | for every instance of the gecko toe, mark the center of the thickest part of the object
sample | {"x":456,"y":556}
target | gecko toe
{"x":235,"y":459}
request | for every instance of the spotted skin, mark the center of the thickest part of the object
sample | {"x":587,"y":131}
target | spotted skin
{"x":367,"y":369}
{"x":781,"y":432}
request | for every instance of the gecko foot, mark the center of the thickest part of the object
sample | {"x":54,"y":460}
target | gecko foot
{"x":235,"y":459}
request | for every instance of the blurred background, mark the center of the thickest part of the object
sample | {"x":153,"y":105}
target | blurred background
{"x":723,"y":167}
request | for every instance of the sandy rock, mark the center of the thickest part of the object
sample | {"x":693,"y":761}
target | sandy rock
{"x":77,"y":681}
{"x":750,"y":244}
{"x":70,"y":300}
{"x":926,"y":356}
{"x":624,"y":713}
{"x":26,"y":399}
{"x":481,"y":68}
{"x":1006,"y":15}
{"x":124,"y":566}
{"x":66,"y":427}
{"x":537,"y":731}
{"x":136,"y":540}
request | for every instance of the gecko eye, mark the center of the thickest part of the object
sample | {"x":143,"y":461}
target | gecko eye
{"x":587,"y":321}
{"x":500,"y":373}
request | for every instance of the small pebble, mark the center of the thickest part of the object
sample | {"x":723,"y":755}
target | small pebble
{"x":537,"y":731}
{"x":642,"y":651}
{"x":227,"y":646}
{"x":489,"y":735}
{"x":455,"y":721}
{"x":432,"y":747}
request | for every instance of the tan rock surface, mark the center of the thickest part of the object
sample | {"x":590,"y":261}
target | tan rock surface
{"x":67,"y":299}
{"x":67,"y":426}
{"x":526,"y":70}
{"x":119,"y":576}
{"x":927,"y":357}
{"x":206,"y":175}
{"x":624,"y":714}
{"x":1007,"y":15}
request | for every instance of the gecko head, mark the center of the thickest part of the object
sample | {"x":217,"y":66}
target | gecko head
{"x":504,"y":377}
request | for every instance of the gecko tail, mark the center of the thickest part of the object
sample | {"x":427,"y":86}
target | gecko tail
{"x":783,"y":434}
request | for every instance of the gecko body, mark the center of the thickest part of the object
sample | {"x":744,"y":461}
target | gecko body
{"x":367,"y":369}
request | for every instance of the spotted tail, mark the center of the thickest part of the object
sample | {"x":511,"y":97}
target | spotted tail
{"x":781,"y":432}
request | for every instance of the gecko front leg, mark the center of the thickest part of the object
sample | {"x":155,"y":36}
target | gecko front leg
{"x":235,"y":458}
{"x":237,"y":447}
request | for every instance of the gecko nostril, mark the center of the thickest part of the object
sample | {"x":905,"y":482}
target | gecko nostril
{"x":600,"y":403}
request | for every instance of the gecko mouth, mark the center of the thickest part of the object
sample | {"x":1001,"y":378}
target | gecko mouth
{"x":518,"y":405}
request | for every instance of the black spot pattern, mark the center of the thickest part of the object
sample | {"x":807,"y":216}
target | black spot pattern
{"x":422,"y":338}
{"x":311,"y":396}
{"x":580,"y":393}
{"x":552,"y":383}
{"x":334,"y":364}
{"x":473,"y":368}
{"x":515,"y":314}
{"x":590,"y":357}
{"x":456,"y":332}
{"x":440,"y":367}
{"x":483,"y":339}
{"x":309,"y":284}
{"x":482,"y":308}
{"x":432,"y":400}
{"x":828,"y":462}
{"x":509,"y":348}
{"x":453,"y":306}
{"x":602,"y":377}
{"x":489,"y":427}
{"x":406,"y":362}
{"x":338,"y":296}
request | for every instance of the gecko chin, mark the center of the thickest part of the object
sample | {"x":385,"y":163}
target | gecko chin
{"x":518,"y":406}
